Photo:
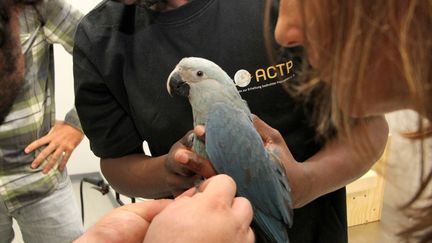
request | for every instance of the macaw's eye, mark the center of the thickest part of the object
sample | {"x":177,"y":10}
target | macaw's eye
{"x":200,"y":73}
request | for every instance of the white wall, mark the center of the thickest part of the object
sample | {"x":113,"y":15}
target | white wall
{"x":82,"y":160}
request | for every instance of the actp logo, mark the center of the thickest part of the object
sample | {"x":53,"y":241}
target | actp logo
{"x":242,"y":78}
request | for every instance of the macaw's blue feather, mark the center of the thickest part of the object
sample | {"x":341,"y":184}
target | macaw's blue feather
{"x":235,"y":148}
{"x":233,"y":145}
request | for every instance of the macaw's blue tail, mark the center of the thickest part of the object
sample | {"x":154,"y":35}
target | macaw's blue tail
{"x":235,"y":148}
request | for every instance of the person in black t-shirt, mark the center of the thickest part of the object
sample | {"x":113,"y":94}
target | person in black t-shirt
{"x":122,"y":58}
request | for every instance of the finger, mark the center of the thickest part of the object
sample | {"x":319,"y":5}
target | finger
{"x":250,"y":236}
{"x":181,"y":156}
{"x":219,"y":187}
{"x":195,"y":163}
{"x":65,"y":158}
{"x":180,"y":184}
{"x":242,"y":209}
{"x":199,"y":131}
{"x":53,"y":160}
{"x":147,"y":209}
{"x":187,"y":139}
{"x":37,"y":143}
{"x":260,"y":126}
{"x":265,"y":131}
{"x":43,"y":155}
{"x":177,"y":193}
{"x":178,"y":169}
{"x":189,"y":193}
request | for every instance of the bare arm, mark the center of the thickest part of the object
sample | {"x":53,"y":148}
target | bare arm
{"x":338,"y":164}
{"x":137,"y":175}
{"x":334,"y":166}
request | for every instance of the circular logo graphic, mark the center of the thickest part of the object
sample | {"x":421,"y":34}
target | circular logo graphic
{"x":242,"y":78}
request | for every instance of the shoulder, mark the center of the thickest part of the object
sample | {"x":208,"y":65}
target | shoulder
{"x":106,"y":23}
{"x":107,"y":14}
{"x":49,"y":9}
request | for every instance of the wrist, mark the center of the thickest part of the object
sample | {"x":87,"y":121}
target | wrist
{"x":300,"y":179}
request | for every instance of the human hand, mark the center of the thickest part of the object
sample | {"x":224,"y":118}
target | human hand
{"x":192,"y":161}
{"x":184,"y":166}
{"x":273,"y":140}
{"x":128,"y":223}
{"x":213,"y":214}
{"x":61,"y":141}
{"x":295,"y":171}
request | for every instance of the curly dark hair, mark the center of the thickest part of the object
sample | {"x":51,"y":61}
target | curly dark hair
{"x":11,"y":79}
{"x":5,"y":10}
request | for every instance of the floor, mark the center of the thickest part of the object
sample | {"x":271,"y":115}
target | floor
{"x":95,"y":204}
{"x":398,"y":188}
{"x":375,"y":232}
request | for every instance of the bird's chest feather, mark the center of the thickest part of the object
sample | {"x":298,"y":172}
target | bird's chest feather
{"x":202,"y":104}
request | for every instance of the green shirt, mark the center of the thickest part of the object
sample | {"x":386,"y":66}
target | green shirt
{"x":33,"y":112}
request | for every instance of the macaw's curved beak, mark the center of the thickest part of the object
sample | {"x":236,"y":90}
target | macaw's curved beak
{"x":177,"y":85}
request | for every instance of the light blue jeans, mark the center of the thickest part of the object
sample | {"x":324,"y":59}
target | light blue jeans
{"x":54,"y":219}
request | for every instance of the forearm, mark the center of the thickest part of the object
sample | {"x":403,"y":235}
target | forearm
{"x":137,"y":175}
{"x":340,"y":163}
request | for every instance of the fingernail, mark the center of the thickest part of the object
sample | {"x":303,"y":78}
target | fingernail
{"x":199,"y":130}
{"x":182,"y":157}
{"x":26,"y":150}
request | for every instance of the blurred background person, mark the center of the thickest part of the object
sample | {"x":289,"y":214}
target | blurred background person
{"x":35,"y":188}
{"x":376,"y":57}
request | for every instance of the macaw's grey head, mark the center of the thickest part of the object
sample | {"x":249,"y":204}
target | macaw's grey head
{"x":193,"y":71}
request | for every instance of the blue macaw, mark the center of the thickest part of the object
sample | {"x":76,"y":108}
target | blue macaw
{"x":233,"y":145}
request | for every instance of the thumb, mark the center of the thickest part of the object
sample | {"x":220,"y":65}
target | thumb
{"x":148,"y":209}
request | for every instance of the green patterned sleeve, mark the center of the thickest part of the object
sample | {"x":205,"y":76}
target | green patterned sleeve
{"x":61,"y":20}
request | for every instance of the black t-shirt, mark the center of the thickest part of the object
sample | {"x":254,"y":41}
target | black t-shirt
{"x":124,"y":54}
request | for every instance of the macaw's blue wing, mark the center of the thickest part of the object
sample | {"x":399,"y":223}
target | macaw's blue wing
{"x":235,"y":148}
